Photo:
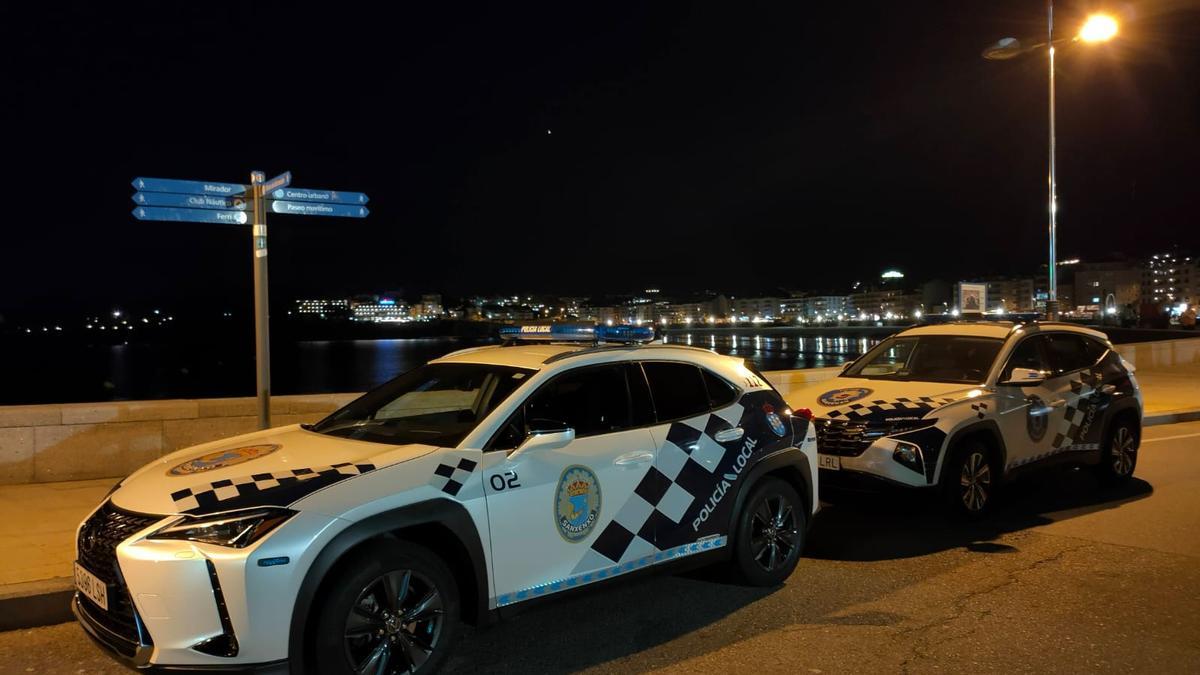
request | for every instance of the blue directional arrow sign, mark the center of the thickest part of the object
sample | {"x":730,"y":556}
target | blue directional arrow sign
{"x":326,"y":196}
{"x":314,"y":209}
{"x":190,"y":215}
{"x":190,"y":201}
{"x":190,"y":187}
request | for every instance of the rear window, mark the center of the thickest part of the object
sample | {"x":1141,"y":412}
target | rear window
{"x":678,"y":390}
{"x":720,"y":392}
{"x":1068,"y":352}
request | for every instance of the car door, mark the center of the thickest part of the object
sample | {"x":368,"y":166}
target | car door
{"x":551,"y":507}
{"x":699,"y":437}
{"x":1074,"y":385}
{"x":1026,"y":413}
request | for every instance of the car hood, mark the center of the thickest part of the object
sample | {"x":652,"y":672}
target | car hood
{"x":275,"y":467}
{"x":876,"y":400}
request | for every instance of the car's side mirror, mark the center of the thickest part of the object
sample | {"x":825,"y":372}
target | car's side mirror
{"x":1025,"y":377}
{"x":545,"y":435}
{"x":846,"y":366}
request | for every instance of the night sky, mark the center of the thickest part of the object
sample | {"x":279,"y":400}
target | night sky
{"x":585,"y":147}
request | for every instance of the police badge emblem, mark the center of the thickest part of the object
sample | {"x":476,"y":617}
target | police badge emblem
{"x":577,"y":503}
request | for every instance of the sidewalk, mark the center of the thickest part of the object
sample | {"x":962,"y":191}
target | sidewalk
{"x":38,"y":520}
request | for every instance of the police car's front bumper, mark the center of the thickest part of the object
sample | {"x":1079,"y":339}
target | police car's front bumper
{"x":886,"y":461}
{"x":181,"y":606}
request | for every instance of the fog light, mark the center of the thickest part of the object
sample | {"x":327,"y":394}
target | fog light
{"x":910,"y":456}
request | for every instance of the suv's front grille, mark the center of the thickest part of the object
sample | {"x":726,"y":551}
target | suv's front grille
{"x":841,"y":437}
{"x":97,"y":546}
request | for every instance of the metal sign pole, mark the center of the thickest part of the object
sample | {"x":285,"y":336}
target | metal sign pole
{"x":262,"y":339}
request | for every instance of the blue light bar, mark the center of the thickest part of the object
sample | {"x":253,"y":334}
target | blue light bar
{"x":576,"y":332}
{"x":624,"y":333}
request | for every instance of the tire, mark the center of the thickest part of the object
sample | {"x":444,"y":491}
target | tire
{"x":1118,"y":455}
{"x":397,"y":604}
{"x":969,"y":481}
{"x":770,"y":533}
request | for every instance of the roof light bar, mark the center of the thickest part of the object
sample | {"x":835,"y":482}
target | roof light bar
{"x":576,"y":332}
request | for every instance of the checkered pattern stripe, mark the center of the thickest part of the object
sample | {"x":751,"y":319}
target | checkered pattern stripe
{"x":859,"y":411}
{"x":610,"y":571}
{"x":450,"y":478}
{"x":1078,"y":447}
{"x":683,"y":473}
{"x":980,"y":409}
{"x":213,"y":494}
{"x":1082,"y":387}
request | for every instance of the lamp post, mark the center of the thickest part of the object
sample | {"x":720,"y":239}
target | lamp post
{"x":1097,"y":28}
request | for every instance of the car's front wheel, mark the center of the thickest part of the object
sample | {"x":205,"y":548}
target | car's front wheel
{"x":969,"y":481}
{"x":770,"y":533}
{"x":390,"y":609}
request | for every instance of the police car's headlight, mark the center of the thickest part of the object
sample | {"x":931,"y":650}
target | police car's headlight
{"x":236,"y":530}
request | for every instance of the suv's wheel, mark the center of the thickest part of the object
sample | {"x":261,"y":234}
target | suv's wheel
{"x":390,"y":609}
{"x":969,"y":481}
{"x":770,"y":533}
{"x":1118,"y":455}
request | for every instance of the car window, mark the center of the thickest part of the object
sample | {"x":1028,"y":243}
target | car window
{"x":1028,"y":354}
{"x":1095,"y":349}
{"x":677,"y":388}
{"x":720,"y":392}
{"x":1067,"y":352}
{"x":590,"y":400}
{"x":641,"y":404}
{"x":961,"y":359}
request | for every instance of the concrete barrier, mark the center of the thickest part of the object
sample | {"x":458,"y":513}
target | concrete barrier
{"x":78,"y":441}
{"x":1162,"y":355}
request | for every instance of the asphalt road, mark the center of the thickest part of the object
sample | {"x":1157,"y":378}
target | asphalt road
{"x":1065,"y":578}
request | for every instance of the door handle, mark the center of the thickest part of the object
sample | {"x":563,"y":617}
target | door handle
{"x":728,"y":435}
{"x":631,"y":459}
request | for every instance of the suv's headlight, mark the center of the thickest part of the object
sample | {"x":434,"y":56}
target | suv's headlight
{"x":236,"y":530}
{"x":893,"y":427}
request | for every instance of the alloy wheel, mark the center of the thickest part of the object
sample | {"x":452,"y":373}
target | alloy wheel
{"x":975,"y":482}
{"x":1123,"y":449}
{"x":394,"y":625}
{"x":773,"y":532}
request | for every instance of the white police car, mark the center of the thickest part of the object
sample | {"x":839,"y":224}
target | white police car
{"x":457,"y":492}
{"x":962,"y":406}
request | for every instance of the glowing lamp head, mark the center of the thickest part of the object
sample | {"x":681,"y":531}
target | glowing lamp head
{"x":1098,"y":28}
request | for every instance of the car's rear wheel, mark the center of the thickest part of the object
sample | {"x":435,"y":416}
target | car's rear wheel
{"x":969,"y":481}
{"x":391,"y":609}
{"x":770,"y":533}
{"x":1118,"y":456}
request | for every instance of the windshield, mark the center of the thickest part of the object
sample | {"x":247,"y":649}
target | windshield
{"x":928,"y":358}
{"x":436,"y":404}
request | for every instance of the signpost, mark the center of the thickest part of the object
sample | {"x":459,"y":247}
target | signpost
{"x":229,"y":203}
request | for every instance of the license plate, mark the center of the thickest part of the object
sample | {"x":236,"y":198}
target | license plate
{"x":91,"y":586}
{"x":829,"y":462}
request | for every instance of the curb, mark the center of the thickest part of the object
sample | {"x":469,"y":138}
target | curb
{"x":1171,"y":417}
{"x":36,"y":603}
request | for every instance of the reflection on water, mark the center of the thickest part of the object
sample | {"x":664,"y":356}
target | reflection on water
{"x":781,"y":352}
{"x":56,"y":373}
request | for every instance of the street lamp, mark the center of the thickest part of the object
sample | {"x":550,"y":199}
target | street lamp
{"x":1097,"y":28}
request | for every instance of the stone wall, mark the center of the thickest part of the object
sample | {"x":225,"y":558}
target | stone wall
{"x":75,"y":441}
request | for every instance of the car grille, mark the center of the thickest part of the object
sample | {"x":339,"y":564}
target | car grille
{"x":843,"y":438}
{"x":97,"y":547}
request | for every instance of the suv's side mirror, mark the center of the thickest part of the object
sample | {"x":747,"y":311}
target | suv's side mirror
{"x":1025,"y":377}
{"x":545,"y":435}
{"x":846,"y":366}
